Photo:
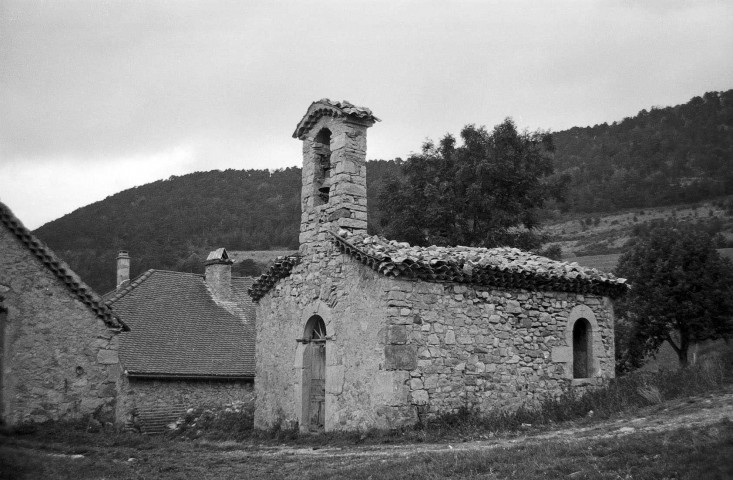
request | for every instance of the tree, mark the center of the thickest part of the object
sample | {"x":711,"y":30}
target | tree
{"x":484,"y":192}
{"x":681,"y":290}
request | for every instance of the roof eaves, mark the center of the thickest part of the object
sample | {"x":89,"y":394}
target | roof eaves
{"x":279,"y":269}
{"x":60,"y":269}
{"x":189,"y":376}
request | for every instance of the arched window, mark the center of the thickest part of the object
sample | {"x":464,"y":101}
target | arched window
{"x":314,"y":374}
{"x":322,"y":166}
{"x":582,"y":349}
{"x":315,"y":329}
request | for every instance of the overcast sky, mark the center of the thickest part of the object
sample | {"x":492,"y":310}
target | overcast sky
{"x":99,"y":96}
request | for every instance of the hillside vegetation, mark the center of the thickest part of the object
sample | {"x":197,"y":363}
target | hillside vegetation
{"x":663,"y":156}
{"x":660,"y":157}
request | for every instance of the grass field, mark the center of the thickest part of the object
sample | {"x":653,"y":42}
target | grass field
{"x":628,"y":434}
{"x":688,"y":452}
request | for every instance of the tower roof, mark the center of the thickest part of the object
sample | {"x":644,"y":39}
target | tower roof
{"x":329,"y":108}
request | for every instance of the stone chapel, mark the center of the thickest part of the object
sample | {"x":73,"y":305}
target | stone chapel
{"x":357,"y":331}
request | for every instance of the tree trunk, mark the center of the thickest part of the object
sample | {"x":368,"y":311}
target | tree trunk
{"x":682,"y":356}
{"x":681,"y":351}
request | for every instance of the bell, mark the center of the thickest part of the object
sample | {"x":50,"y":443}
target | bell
{"x":326,"y":186}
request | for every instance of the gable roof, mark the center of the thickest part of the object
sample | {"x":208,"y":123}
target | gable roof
{"x":60,"y":269}
{"x":329,"y":108}
{"x":219,"y":255}
{"x":495,"y":267}
{"x":178,"y":328}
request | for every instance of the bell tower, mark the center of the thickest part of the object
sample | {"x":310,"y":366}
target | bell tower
{"x":333,"y":194}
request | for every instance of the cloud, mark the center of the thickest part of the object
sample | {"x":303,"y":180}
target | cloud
{"x":36,"y":192}
{"x":101,"y":82}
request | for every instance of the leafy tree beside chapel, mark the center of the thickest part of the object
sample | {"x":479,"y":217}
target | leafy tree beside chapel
{"x":484,"y":192}
{"x":681,"y":292}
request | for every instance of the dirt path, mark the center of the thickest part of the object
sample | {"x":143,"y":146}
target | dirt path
{"x":672,"y":415}
{"x":88,"y":459}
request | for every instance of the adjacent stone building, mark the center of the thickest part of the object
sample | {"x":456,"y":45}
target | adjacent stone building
{"x":357,"y":331}
{"x":58,"y":341}
{"x":190,"y":344}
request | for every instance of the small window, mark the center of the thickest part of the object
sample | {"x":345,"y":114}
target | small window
{"x":582,"y":351}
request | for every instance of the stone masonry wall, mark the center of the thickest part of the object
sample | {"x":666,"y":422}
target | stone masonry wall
{"x":59,"y":360}
{"x":399,"y":349}
{"x":347,"y":297}
{"x":145,"y":393}
{"x":347,"y":205}
{"x":487,"y":349}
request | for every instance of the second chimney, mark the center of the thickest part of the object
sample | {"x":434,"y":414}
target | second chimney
{"x":123,"y":269}
{"x":218,"y":274}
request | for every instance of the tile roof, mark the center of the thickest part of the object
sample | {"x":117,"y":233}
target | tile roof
{"x":325,"y":107}
{"x":178,"y":329}
{"x":496,"y":267}
{"x":279,"y":269}
{"x":60,"y":269}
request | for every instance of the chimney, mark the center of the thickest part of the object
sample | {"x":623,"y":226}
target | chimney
{"x":218,"y":274}
{"x":123,"y":269}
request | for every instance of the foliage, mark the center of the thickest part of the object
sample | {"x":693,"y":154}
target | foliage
{"x":663,"y":156}
{"x":681,"y":291}
{"x":485,"y":192}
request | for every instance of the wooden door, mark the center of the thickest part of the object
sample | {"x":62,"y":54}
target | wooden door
{"x":314,"y":362}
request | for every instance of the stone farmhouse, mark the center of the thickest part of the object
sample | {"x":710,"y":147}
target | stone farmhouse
{"x":58,"y":341}
{"x":357,"y":331}
{"x":190,"y":344}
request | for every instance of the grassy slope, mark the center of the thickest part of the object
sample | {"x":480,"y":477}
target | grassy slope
{"x":598,"y":240}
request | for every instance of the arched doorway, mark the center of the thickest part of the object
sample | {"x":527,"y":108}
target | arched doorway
{"x":582,"y":346}
{"x":314,"y":374}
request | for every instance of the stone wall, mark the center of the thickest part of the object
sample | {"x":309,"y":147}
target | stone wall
{"x":398,"y":349}
{"x":347,"y":205}
{"x":59,"y":359}
{"x":144,"y":393}
{"x":347,"y":297}
{"x":459,"y":346}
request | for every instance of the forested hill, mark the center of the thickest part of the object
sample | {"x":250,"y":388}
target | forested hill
{"x":659,"y":157}
{"x":172,"y":224}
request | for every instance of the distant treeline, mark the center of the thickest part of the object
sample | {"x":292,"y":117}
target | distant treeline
{"x":659,"y":157}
